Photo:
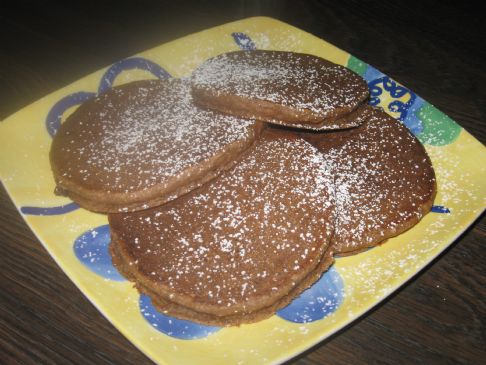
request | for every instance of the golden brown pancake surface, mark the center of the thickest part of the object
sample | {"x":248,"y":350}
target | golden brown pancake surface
{"x":286,"y":88}
{"x":240,"y":242}
{"x":384,"y":179}
{"x":141,"y":144}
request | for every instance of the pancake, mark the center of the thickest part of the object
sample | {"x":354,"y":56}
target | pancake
{"x":239,"y":243}
{"x":175,"y":310}
{"x":384,"y":180}
{"x":142,"y":144}
{"x":286,"y":88}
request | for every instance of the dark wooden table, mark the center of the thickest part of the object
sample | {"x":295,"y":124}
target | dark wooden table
{"x":436,"y":50}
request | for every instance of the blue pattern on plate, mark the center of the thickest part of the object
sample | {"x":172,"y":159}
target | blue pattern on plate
{"x":53,"y":119}
{"x":378,"y":83}
{"x":372,"y":74}
{"x":243,"y":41}
{"x":61,"y":209}
{"x":140,"y":63}
{"x":317,"y":302}
{"x":91,"y":248}
{"x":440,"y":209}
{"x":178,"y":328}
{"x":411,"y":121}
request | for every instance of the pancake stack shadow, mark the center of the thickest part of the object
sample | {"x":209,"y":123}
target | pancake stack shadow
{"x":230,"y":192}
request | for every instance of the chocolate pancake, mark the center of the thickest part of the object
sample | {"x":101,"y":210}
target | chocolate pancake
{"x":239,"y":243}
{"x":384,"y":180}
{"x":286,"y":88}
{"x":142,"y":144}
{"x":178,"y":311}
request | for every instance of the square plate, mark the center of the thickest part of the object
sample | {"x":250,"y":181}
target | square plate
{"x":77,"y":239}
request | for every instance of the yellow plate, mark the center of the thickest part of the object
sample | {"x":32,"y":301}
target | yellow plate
{"x":77,"y":239}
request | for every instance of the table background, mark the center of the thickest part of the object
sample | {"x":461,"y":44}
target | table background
{"x":438,"y":51}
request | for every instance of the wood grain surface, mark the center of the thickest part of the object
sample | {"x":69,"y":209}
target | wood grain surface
{"x":436,"y":50}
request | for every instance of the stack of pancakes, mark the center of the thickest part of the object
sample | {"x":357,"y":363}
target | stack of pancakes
{"x":230,"y":192}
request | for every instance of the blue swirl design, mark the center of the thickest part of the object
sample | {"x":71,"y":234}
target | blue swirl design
{"x":378,"y":82}
{"x":91,"y":248}
{"x":317,"y":302}
{"x":243,"y":41}
{"x":54,"y":116}
{"x":61,"y":209}
{"x":396,"y":91}
{"x":53,"y":119}
{"x":110,"y":75}
{"x":178,"y":328}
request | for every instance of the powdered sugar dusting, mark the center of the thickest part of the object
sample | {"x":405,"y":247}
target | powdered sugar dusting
{"x":383,"y":179}
{"x":135,"y":137}
{"x":277,"y":202}
{"x":303,"y":82}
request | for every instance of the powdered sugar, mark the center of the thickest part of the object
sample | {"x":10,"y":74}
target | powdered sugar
{"x":134,"y":138}
{"x":383,"y":180}
{"x":299,"y":81}
{"x":275,"y":203}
